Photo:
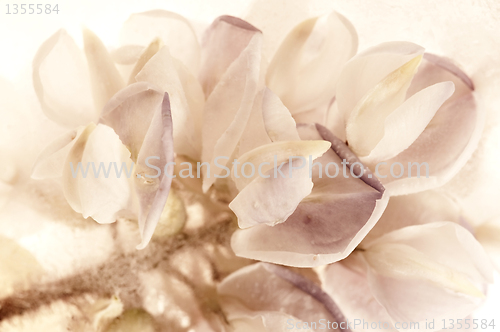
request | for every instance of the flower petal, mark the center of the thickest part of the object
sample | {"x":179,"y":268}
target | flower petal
{"x":70,"y":182}
{"x":144,"y":57}
{"x":223,"y":43}
{"x":279,"y":123}
{"x":229,"y":106}
{"x":368,"y":68}
{"x":271,"y":200}
{"x":187,"y":99}
{"x":105,"y":78}
{"x":326,"y":226}
{"x":265,"y":296}
{"x":415,"y":287}
{"x":446,"y":243}
{"x":171,"y":28}
{"x":50,"y":161}
{"x":127,"y":55}
{"x":403,"y":126}
{"x":365,"y":123}
{"x":348,"y":287}
{"x":453,"y":133}
{"x":153,"y":192}
{"x":415,"y":209}
{"x":305,"y":69}
{"x":255,"y":133}
{"x":130,"y":113}
{"x":274,"y":154}
{"x":62,"y":82}
{"x":104,"y":195}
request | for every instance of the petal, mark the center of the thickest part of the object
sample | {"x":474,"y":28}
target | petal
{"x":229,"y":106}
{"x":448,"y":141}
{"x":415,"y":209}
{"x":335,"y":121}
{"x":446,"y":243}
{"x":271,"y":200}
{"x":223,"y":43}
{"x":255,"y":133}
{"x":144,"y":57}
{"x":403,"y":126}
{"x":153,"y":192}
{"x":50,"y":161}
{"x":130,"y":113}
{"x":127,"y":55}
{"x":270,"y":296}
{"x":401,"y":261}
{"x":105,"y":78}
{"x":104,"y":195}
{"x":274,"y":154}
{"x":413,"y":287}
{"x":427,"y":272}
{"x":70,"y":181}
{"x":187,"y":99}
{"x":365,"y":123}
{"x":326,"y":226}
{"x":307,"y":65}
{"x":62,"y":82}
{"x":349,"y":288}
{"x":368,"y":68}
{"x":278,"y":121}
{"x":171,"y":28}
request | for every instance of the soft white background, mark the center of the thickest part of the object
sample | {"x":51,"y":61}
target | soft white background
{"x":466,"y":30}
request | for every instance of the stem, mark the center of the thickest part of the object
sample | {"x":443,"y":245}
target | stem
{"x":118,"y":275}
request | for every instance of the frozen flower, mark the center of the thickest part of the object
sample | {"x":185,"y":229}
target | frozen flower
{"x":396,"y":106}
{"x":274,"y":85}
{"x":107,"y":197}
{"x":263,"y":297}
{"x":71,"y":88}
{"x":416,"y":273}
{"x":325,"y":226}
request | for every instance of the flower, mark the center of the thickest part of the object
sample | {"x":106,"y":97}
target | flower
{"x":261,"y":93}
{"x":435,"y":271}
{"x":248,"y":297}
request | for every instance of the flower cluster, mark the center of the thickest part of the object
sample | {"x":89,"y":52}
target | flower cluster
{"x":391,"y":249}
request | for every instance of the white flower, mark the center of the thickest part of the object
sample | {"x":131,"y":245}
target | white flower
{"x":264,"y":297}
{"x":417,"y":273}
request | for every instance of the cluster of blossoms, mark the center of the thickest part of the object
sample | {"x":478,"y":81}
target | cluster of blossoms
{"x":389,"y":249}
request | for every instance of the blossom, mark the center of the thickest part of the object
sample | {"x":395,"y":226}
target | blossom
{"x":249,"y":300}
{"x":407,"y":270}
{"x":260,"y":91}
